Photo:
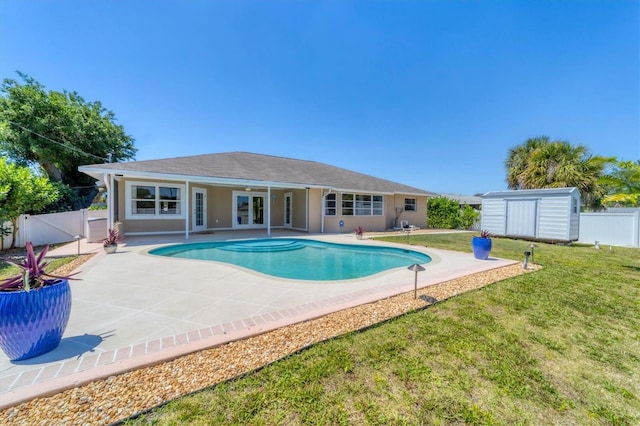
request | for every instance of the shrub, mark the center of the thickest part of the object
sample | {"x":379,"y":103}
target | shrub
{"x":468,"y":216}
{"x":442,"y":213}
{"x":445,"y":213}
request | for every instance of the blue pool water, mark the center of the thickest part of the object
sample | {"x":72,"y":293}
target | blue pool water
{"x":299,"y":259}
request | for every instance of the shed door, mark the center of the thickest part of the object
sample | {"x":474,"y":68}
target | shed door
{"x":522,"y":217}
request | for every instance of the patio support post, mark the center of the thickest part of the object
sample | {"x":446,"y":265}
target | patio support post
{"x":187,"y":211}
{"x":268,"y":203}
{"x":306,"y":216}
{"x":108,"y":181}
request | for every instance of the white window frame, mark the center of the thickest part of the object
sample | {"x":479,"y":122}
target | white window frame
{"x":414,"y":205}
{"x":362,"y":207}
{"x":331,"y":204}
{"x":130,"y":215}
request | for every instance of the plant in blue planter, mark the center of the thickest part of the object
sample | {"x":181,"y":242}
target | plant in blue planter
{"x":482,"y":245}
{"x":34,"y":308}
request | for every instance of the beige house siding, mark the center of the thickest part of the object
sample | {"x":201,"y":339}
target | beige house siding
{"x":276,"y":204}
{"x":416,"y":218}
{"x":219,"y":208}
{"x":219,"y":212}
{"x":380,"y":223}
{"x":307,"y":211}
{"x":370,"y":223}
{"x":147,"y":225}
{"x":299,"y":202}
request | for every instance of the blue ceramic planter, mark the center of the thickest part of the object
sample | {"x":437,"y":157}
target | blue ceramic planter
{"x":32,"y":323}
{"x":481,"y":247}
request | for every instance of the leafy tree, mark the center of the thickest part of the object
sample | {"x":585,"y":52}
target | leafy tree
{"x":22,"y":191}
{"x":59,"y":131}
{"x":468,"y":216}
{"x":623,"y":184}
{"x":445,"y":213}
{"x":542,"y":163}
{"x":442,"y":213}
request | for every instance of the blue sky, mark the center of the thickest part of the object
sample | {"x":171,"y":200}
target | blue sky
{"x":427,"y":93}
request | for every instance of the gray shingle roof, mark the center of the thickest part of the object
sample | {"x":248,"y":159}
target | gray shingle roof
{"x":257,"y":167}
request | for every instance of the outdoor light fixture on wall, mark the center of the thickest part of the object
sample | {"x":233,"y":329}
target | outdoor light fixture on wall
{"x":274,"y":197}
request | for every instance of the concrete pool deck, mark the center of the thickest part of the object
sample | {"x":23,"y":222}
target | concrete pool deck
{"x":131,"y":309}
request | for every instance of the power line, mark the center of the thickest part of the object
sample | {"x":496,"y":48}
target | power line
{"x":71,"y":147}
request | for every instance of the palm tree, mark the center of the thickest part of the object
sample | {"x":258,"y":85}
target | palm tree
{"x":623,"y":183}
{"x":518,"y":158}
{"x":541,"y":163}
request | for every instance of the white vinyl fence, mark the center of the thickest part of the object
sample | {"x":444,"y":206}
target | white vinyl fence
{"x":616,"y":229}
{"x":53,"y":228}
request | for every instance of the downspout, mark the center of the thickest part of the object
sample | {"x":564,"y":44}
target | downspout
{"x":268,"y":203}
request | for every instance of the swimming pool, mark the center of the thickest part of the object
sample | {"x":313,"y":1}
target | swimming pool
{"x":299,"y":258}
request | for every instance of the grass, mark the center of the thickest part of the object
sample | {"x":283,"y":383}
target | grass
{"x":559,"y":346}
{"x":8,"y":270}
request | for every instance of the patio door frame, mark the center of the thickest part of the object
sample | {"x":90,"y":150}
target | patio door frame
{"x":199,"y":208}
{"x":250,"y":212}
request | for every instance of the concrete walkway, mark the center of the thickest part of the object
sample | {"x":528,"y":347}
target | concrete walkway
{"x":132,"y":309}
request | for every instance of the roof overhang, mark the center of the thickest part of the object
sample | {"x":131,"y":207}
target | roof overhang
{"x":102,"y":173}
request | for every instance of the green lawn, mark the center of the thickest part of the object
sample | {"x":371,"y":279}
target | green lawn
{"x":558,"y":346}
{"x":8,"y":270}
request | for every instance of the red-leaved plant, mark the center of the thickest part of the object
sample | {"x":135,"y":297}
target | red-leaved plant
{"x":113,"y":237}
{"x":485,"y":234}
{"x":32,"y":275}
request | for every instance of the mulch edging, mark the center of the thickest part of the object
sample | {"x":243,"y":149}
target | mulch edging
{"x":125,"y":395}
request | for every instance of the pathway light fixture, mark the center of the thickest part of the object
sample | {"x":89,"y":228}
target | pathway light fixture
{"x":416,"y":268}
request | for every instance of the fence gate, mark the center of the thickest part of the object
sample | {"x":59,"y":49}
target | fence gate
{"x":52,"y":228}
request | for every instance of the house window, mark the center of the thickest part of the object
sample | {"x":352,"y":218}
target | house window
{"x":409,"y":204}
{"x":347,"y":204}
{"x":376,"y":205}
{"x":154,"y":201}
{"x":330,"y":204}
{"x":362,"y":205}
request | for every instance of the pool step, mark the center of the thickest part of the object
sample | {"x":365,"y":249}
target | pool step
{"x":262,"y":247}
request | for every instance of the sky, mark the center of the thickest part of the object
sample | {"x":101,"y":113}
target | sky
{"x":428,"y":93}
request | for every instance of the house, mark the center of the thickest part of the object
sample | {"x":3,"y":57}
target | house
{"x":240,"y":190}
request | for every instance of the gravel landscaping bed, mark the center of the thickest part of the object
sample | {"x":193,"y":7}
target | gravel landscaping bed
{"x":118,"y":397}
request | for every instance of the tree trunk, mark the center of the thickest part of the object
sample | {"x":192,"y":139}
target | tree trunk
{"x":52,"y":171}
{"x":14,"y":225}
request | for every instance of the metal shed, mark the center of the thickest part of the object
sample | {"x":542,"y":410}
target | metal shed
{"x":551,"y":214}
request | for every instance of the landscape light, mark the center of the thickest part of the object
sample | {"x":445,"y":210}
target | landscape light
{"x":416,"y":268}
{"x":532,"y":246}
{"x":526,"y":259}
